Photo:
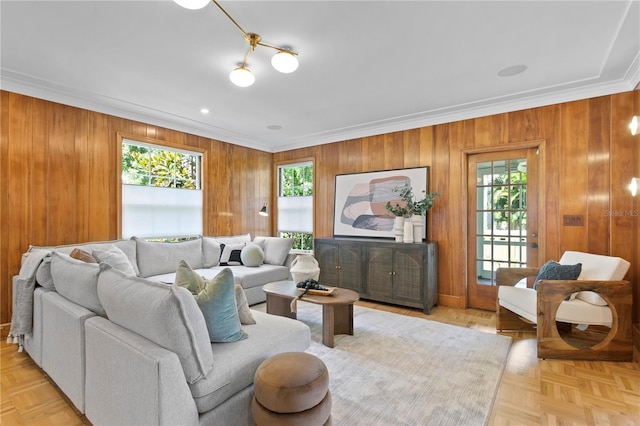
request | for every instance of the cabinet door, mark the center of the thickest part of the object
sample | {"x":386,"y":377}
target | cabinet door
{"x":327,"y":257}
{"x":379,"y":272}
{"x":409,"y":274}
{"x":350,"y":267}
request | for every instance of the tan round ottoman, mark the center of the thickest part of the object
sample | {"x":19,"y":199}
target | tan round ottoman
{"x":291,"y":388}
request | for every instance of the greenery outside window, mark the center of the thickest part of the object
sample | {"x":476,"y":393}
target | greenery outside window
{"x":295,"y":205}
{"x":161,"y":192}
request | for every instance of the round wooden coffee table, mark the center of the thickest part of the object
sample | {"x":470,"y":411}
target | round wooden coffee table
{"x":337,"y":309}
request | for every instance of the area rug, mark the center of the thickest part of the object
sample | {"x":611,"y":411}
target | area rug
{"x":400,"y":370}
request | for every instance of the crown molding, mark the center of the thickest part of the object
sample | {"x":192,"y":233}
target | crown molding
{"x":18,"y":83}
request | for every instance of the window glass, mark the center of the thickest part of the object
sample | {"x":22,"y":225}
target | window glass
{"x":295,"y":204}
{"x":161,"y":192}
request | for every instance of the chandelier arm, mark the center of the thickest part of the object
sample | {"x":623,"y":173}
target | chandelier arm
{"x":246,"y":56}
{"x":279,"y":49}
{"x":229,"y":16}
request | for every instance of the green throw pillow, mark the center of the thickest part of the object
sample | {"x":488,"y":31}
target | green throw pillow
{"x":555,"y":271}
{"x":217,"y":301}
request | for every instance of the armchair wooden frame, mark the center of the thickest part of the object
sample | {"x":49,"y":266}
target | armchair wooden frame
{"x":616,"y":346}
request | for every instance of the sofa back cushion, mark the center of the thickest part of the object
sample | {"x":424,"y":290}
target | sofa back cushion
{"x":43,"y":274}
{"x":77,"y":281}
{"x":165,"y":314}
{"x":211,"y":252}
{"x":155,"y":258}
{"x":275,"y":249}
{"x":596,"y":266}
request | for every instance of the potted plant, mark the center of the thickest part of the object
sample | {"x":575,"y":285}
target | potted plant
{"x":400,"y":210}
{"x":404,"y":208}
{"x":409,"y":206}
{"x":421,"y":207}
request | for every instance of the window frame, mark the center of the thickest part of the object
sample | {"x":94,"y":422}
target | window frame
{"x":278,"y":189}
{"x":170,"y":146}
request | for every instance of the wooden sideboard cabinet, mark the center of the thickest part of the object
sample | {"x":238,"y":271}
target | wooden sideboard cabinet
{"x":340,"y":263}
{"x":382,"y":270}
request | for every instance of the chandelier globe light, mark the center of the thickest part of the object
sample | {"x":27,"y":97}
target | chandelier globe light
{"x":242,"y":77}
{"x":192,"y":4}
{"x":284,"y":60}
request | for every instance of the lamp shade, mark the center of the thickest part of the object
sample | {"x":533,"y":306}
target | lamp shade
{"x":285,"y":62}
{"x":192,"y":4}
{"x":242,"y":77}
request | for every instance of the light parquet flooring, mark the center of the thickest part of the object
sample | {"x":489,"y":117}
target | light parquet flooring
{"x":532,"y":391}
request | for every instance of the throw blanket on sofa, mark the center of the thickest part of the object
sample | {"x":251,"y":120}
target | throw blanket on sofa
{"x":22,"y":315}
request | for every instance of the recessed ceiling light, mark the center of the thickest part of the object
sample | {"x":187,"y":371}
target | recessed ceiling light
{"x":204,"y":110}
{"x":512,"y":70}
{"x":274,"y":127}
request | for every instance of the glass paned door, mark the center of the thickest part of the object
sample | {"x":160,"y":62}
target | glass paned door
{"x":500,"y":213}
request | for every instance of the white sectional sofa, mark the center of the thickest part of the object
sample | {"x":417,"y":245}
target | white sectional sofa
{"x":134,"y":349}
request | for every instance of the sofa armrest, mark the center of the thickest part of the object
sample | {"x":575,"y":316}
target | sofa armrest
{"x":511,"y":276}
{"x":617,"y":345}
{"x":553,"y":292}
{"x":131,"y":380}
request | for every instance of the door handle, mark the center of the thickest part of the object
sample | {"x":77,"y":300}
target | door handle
{"x":534,"y":245}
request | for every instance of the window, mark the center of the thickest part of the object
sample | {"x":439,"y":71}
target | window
{"x":295,"y":204}
{"x":161,"y":191}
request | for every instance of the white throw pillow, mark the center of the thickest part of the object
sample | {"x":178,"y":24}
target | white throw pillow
{"x":116,"y":258}
{"x":231,"y":255}
{"x":275,"y":249}
{"x":252,"y":255}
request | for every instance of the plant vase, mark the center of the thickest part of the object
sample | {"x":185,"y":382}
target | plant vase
{"x":408,"y":232}
{"x":416,"y":221}
{"x":398,"y":228}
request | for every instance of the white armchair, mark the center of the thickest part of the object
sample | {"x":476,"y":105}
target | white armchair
{"x":597,"y":297}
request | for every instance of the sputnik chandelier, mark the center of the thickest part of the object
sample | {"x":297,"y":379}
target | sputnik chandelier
{"x":284,"y":61}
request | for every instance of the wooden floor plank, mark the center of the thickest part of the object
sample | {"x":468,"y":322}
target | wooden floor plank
{"x":532,"y":391}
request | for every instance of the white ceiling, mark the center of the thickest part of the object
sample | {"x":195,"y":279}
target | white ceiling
{"x":366,"y":67}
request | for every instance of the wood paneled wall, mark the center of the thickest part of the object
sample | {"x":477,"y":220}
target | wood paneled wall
{"x":58,"y":181}
{"x":587,"y":154}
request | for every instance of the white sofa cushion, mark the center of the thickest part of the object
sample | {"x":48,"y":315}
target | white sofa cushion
{"x":275,"y":249}
{"x":116,"y":258}
{"x":520,"y":300}
{"x":523,"y":301}
{"x":235,"y":363}
{"x":210,"y":252}
{"x":43,"y":274}
{"x":165,"y":314}
{"x":77,"y":281}
{"x":596,"y":267}
{"x":155,"y":258}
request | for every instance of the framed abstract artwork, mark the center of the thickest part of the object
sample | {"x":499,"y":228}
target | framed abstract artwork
{"x":360,"y":199}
